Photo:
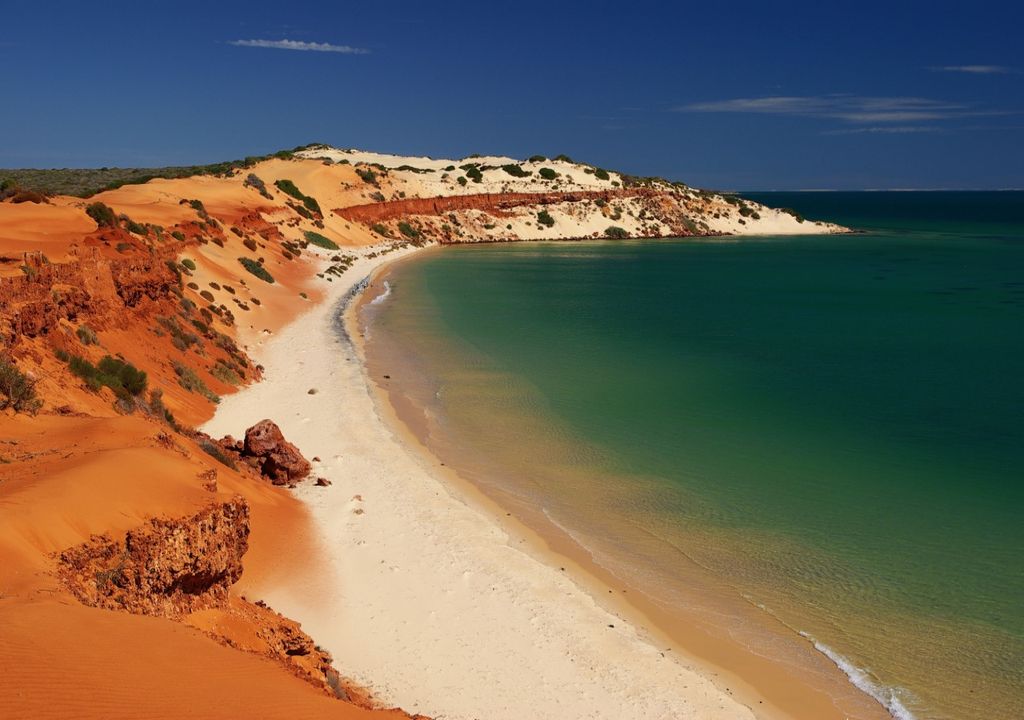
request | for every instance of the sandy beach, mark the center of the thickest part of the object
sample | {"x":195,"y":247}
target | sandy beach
{"x":421,"y":596}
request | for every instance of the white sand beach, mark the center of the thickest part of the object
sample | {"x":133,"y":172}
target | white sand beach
{"x":421,"y":596}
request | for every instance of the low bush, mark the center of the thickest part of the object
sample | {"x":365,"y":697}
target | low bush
{"x":462,"y":181}
{"x":102,"y":214}
{"x":289,"y":188}
{"x":189,"y":263}
{"x":516,"y":170}
{"x":17,"y":389}
{"x":563,"y":158}
{"x":537,"y":158}
{"x":616,"y":233}
{"x":547,"y":173}
{"x":380,"y":229}
{"x":188,"y":379}
{"x":225,"y":374}
{"x":217,"y":453}
{"x":87,"y":335}
{"x":257,"y":184}
{"x":256,"y":269}
{"x":367,"y":175}
{"x":473,"y":173}
{"x":134,"y":227}
{"x":315,"y":238}
{"x":601,"y":174}
{"x":178,"y":235}
{"x":408,"y":230}
{"x":250,"y":244}
{"x":544,"y":218}
{"x":126,"y":380}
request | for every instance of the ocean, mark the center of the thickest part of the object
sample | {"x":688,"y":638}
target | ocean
{"x":823,"y":434}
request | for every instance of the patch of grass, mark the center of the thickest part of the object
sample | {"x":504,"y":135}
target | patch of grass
{"x":217,"y":453}
{"x":17,"y":389}
{"x":225,"y":373}
{"x":188,"y":379}
{"x":315,"y":238}
{"x":256,"y":269}
{"x":86,"y":335}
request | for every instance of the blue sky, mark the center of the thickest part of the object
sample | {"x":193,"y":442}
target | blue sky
{"x":783,"y":95}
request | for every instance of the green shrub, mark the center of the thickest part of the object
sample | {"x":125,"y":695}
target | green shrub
{"x":315,"y":238}
{"x":547,"y":173}
{"x":544,"y":218}
{"x":380,"y":229}
{"x":289,"y":188}
{"x":87,"y":335}
{"x":189,"y":263}
{"x":257,"y":184}
{"x":516,"y":170}
{"x":367,"y":175}
{"x":473,"y":173}
{"x":250,"y":244}
{"x":615,"y":232}
{"x":188,"y":379}
{"x":178,"y":235}
{"x":563,"y":158}
{"x":17,"y":389}
{"x":102,"y":214}
{"x":537,"y":158}
{"x":790,"y":211}
{"x":127,"y":381}
{"x":462,"y":181}
{"x":601,"y":174}
{"x":134,"y":227}
{"x":408,"y":230}
{"x":256,"y":269}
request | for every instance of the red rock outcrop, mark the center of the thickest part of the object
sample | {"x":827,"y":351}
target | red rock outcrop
{"x":167,"y":567}
{"x":498,"y":202}
{"x":279,"y":460}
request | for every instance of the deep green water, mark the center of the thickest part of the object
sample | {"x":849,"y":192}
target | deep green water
{"x":833,"y":425}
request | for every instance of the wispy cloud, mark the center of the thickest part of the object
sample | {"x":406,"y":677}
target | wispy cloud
{"x":885,"y":130}
{"x":300,"y":45}
{"x":974,"y":69}
{"x":849,"y":108}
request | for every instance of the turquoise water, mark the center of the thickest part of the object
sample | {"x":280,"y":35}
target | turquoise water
{"x":832,"y":425}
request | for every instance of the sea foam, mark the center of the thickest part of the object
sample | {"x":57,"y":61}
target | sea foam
{"x":383,"y":296}
{"x":887,"y":697}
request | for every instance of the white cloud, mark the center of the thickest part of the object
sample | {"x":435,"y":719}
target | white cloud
{"x":850,"y":108}
{"x":300,"y":45}
{"x":975,"y":69}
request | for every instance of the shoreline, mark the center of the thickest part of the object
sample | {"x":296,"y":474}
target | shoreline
{"x":318,"y":597}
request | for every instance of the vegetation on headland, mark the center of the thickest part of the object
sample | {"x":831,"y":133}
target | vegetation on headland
{"x":289,"y":188}
{"x":85,"y":182}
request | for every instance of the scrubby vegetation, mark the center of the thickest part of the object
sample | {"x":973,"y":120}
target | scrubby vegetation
{"x":217,"y":453}
{"x":188,"y":379}
{"x":127,"y":381}
{"x":315,"y":238}
{"x":87,"y":335}
{"x":408,"y":230}
{"x":616,"y":233}
{"x":289,"y":188}
{"x":516,"y":170}
{"x":547,"y":173}
{"x":189,"y":263}
{"x":473,"y":172}
{"x":380,"y":229}
{"x":102,"y":214}
{"x":601,"y":174}
{"x":256,"y":269}
{"x":254,"y":181}
{"x":367,"y":175}
{"x":17,"y":390}
{"x":544,"y":218}
{"x":84,"y":182}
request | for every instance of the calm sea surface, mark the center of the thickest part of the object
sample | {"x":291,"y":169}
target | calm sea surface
{"x":832,"y":428}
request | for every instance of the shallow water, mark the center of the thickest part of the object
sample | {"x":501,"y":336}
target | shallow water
{"x":830,"y":428}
